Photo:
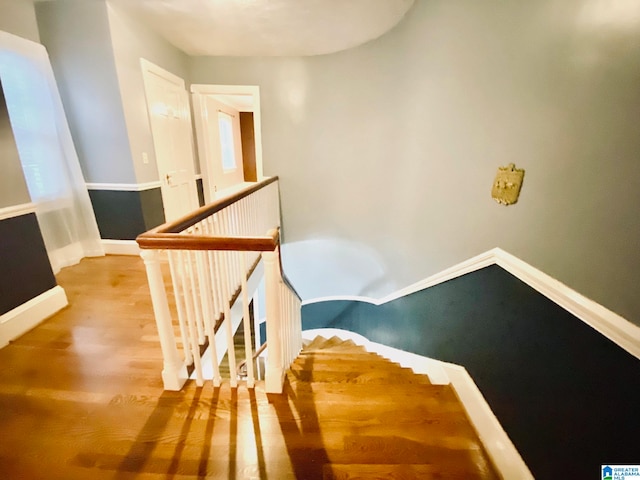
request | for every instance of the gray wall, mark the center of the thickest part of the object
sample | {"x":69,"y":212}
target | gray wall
{"x":13,"y":187}
{"x":77,"y":36}
{"x":393,"y":146}
{"x":131,"y":42}
{"x":19,"y":17}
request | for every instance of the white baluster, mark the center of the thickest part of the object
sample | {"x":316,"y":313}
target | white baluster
{"x":192,"y":318}
{"x":216,"y":272}
{"x":246,"y":320}
{"x":206,"y":294}
{"x":231,"y":353}
{"x":256,"y":319}
{"x":287,"y":320}
{"x":228,"y":290}
{"x":176,"y":280}
{"x":197,"y":292}
{"x":174,"y":372}
{"x":274,"y":378}
{"x":283,"y":322}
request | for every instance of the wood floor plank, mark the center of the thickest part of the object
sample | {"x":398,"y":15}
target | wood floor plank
{"x":81,"y":397}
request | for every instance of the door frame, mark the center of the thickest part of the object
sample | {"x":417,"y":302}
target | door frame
{"x":199,"y":90}
{"x":148,"y":69}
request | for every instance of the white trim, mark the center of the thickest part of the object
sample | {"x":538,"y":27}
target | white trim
{"x":148,"y":67}
{"x":254,"y":90}
{"x":120,"y":247}
{"x":499,"y":447}
{"x":17,"y":210}
{"x":610,"y":324}
{"x":124,"y":187}
{"x":26,"y":316}
{"x":225,"y":89}
{"x":471,"y":265}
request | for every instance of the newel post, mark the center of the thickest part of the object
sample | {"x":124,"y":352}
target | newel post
{"x":174,"y":372}
{"x":274,"y":377}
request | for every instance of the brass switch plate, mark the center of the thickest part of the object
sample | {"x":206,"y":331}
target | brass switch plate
{"x":507,"y":185}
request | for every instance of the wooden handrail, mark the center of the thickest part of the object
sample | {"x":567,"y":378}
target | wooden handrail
{"x":178,"y":241}
{"x":243,"y":364}
{"x":285,"y":279}
{"x":182,"y":223}
{"x":167,"y":236}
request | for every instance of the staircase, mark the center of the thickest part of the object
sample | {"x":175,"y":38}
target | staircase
{"x":349,"y":414}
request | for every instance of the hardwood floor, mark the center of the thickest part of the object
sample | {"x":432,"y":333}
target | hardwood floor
{"x":81,"y":398}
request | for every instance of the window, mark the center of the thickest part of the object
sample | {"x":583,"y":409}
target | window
{"x":33,"y":122}
{"x":225,"y":125}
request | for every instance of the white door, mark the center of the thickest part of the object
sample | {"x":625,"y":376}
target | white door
{"x":168,"y":106}
{"x":222,"y":143}
{"x":213,"y":106}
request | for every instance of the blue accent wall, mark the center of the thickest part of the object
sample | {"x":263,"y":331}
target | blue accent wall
{"x":25,"y":271}
{"x":123,"y":215}
{"x":566,"y":395}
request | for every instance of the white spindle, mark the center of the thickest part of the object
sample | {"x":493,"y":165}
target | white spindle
{"x":179,"y":298}
{"x":198,"y":295}
{"x":192,"y":318}
{"x":209,"y":318}
{"x":204,"y":283}
{"x":246,"y":321}
{"x":275,"y":371}
{"x":216,"y":272}
{"x":283,"y":323}
{"x":174,"y":372}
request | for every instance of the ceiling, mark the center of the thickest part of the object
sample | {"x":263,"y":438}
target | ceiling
{"x":266,"y":27}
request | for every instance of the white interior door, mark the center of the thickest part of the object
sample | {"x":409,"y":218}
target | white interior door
{"x":168,"y":105}
{"x":219,"y":143}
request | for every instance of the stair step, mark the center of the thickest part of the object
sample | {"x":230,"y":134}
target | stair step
{"x":373,"y":377}
{"x":333,"y":344}
{"x":400,"y":450}
{"x":316,"y":342}
{"x":394,"y":471}
{"x":336,"y":341}
{"x":354,"y":414}
{"x":362,"y":365}
{"x":339,"y":354}
{"x":363,"y":392}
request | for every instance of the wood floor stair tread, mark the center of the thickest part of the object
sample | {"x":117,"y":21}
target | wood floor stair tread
{"x":375,"y":377}
{"x":395,"y":472}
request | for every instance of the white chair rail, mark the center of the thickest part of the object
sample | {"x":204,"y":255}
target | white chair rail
{"x":203,"y":269}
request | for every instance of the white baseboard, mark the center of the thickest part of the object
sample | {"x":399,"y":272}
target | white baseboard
{"x":23,"y":318}
{"x":610,"y":324}
{"x":120,"y":247}
{"x":495,"y":440}
{"x":497,"y":443}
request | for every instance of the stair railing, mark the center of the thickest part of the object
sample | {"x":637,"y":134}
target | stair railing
{"x":284,"y":322}
{"x":202,"y":270}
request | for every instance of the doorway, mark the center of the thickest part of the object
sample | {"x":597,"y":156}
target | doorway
{"x":170,"y":119}
{"x":228,"y":131}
